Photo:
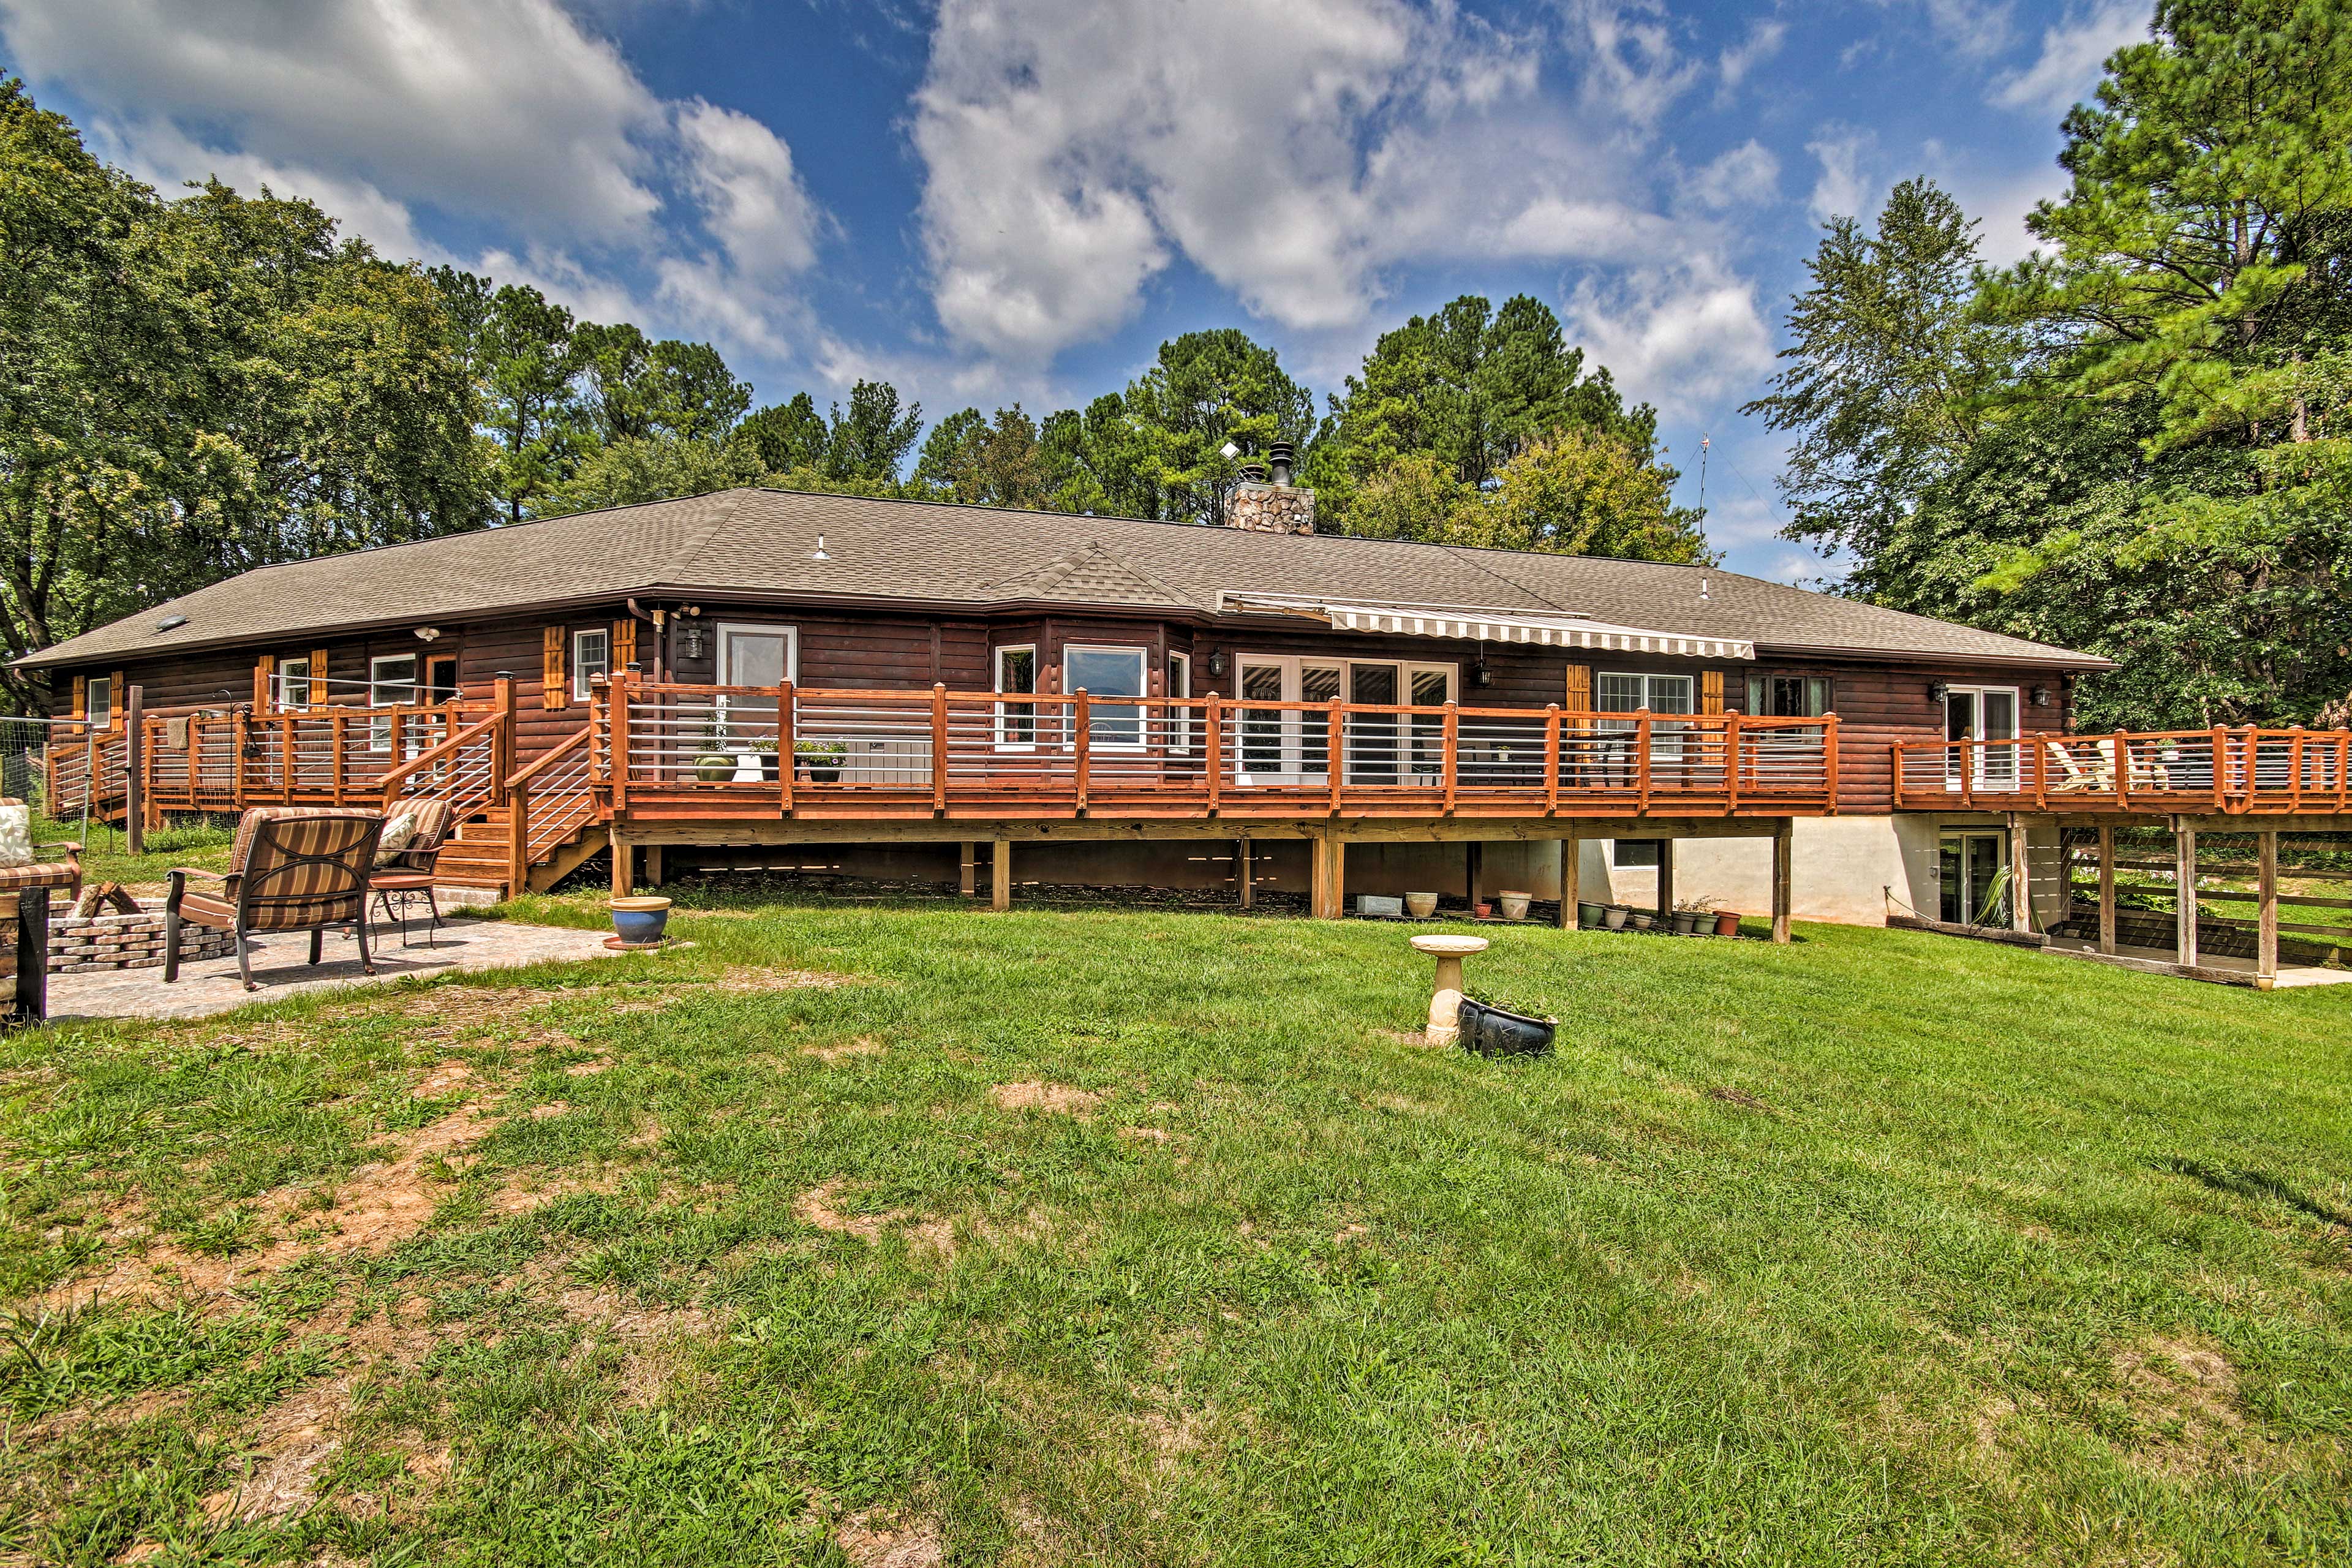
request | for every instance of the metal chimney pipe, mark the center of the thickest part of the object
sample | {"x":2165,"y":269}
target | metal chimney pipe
{"x":1280,"y":453}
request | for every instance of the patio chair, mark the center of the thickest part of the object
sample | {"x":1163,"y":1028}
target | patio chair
{"x":404,"y":863}
{"x":292,"y":868}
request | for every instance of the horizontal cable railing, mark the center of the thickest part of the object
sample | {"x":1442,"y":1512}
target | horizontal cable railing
{"x":2220,"y":770}
{"x":694,"y":749}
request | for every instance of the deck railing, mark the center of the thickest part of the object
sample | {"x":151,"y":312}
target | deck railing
{"x":2218,"y":771}
{"x":674,"y":751}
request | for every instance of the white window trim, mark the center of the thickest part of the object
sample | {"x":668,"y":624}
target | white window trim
{"x":581,"y":689}
{"x":380,"y":730}
{"x":97,"y":716}
{"x":1143,"y":678}
{"x":282,"y":678}
{"x":1005,"y":711}
{"x":1181,"y":722}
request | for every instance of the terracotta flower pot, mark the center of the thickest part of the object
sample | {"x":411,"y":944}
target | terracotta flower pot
{"x":1727,"y":923}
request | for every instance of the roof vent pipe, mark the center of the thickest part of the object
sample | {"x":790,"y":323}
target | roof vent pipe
{"x":1279,"y":454}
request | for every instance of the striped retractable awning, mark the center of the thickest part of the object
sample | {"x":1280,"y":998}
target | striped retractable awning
{"x":1488,"y":624}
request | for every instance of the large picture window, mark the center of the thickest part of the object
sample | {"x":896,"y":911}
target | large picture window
{"x":1111,"y":672}
{"x":1282,"y":746}
{"x":1622,"y":692}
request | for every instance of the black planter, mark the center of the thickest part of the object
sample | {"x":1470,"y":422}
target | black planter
{"x":770,"y":767}
{"x":829,"y":774}
{"x":1492,"y":1032}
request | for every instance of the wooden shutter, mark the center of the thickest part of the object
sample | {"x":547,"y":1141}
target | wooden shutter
{"x":114,"y":701}
{"x":318,"y":678}
{"x":1577,"y":697}
{"x":1710,"y":691}
{"x":554,"y":690}
{"x":264,"y":669}
{"x":81,"y":709}
{"x":624,"y":646}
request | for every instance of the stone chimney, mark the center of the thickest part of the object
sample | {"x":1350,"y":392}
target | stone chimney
{"x":1260,"y":505}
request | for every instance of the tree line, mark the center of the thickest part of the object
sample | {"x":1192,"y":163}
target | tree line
{"x":2133,"y":442}
{"x":197,"y":384}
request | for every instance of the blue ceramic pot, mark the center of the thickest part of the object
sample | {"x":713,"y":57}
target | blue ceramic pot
{"x":639,"y":922}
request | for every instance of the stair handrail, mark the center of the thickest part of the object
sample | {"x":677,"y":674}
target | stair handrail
{"x":395,"y":777}
{"x":577,"y":737}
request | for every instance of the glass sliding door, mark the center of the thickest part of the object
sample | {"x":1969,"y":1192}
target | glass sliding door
{"x":1981,"y":713}
{"x":1974,"y":891}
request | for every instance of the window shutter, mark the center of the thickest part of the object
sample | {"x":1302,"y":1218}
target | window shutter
{"x":264,"y":669}
{"x":114,"y":701}
{"x":625,"y":645}
{"x":553,"y":687}
{"x":1578,"y":697}
{"x":1710,"y":691}
{"x":81,"y":709}
{"x":318,"y":678}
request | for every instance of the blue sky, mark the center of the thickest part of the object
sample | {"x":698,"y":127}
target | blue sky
{"x":992,"y":200}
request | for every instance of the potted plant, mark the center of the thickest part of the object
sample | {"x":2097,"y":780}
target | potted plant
{"x":1589,"y":917}
{"x":1727,"y":923}
{"x":714,"y":766}
{"x":1506,"y":1029}
{"x":1420,"y":906}
{"x":1615,"y":916}
{"x":821,"y":760}
{"x":1515,"y":905}
{"x":770,"y":764}
{"x":1685,"y":919}
{"x":639,"y":921}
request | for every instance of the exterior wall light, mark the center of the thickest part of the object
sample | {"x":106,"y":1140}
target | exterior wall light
{"x":427,"y":634}
{"x":1217,"y":662}
{"x":1940,"y":692}
{"x":2041,"y":697}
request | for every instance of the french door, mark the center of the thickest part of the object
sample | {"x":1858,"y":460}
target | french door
{"x":1981,"y":713}
{"x":754,"y":656}
{"x":1970,"y":868}
{"x":1289,"y":746}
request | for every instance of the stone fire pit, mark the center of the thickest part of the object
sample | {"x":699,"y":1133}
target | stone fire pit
{"x":79,"y":944}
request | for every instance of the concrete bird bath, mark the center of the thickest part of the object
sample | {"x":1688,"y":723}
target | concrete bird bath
{"x":1446,"y":1001}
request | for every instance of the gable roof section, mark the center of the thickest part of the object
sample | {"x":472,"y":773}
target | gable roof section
{"x":763,"y":542}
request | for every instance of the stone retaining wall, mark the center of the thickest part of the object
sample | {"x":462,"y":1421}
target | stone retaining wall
{"x":82,"y":942}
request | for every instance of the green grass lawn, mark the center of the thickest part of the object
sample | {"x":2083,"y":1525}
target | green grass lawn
{"x":902,"y":1233}
{"x":106,"y":855}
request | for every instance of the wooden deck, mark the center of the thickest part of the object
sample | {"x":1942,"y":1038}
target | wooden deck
{"x":2172,"y":773}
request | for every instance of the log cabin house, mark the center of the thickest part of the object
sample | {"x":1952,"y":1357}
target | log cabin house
{"x":775,"y":679}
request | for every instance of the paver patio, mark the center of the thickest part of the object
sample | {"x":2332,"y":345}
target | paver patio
{"x":210,"y":985}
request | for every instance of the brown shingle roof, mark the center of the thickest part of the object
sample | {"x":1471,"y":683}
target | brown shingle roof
{"x":763,"y":542}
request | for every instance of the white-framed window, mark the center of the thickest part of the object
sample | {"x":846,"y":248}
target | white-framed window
{"x":98,"y":702}
{"x":1180,"y":686}
{"x":1108,"y":672}
{"x":293,"y":680}
{"x":392,"y":683}
{"x":592,"y":654}
{"x":1626,"y":692}
{"x":1016,"y":672}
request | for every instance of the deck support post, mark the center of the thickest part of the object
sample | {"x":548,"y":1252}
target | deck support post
{"x":2021,"y":878}
{"x":2107,"y":889}
{"x":134,"y":782}
{"x":1571,"y":866}
{"x":1000,"y":877}
{"x":624,"y":856}
{"x":2184,"y":914}
{"x":1245,"y":873}
{"x":1474,"y":867}
{"x":653,"y":866}
{"x":968,"y":870}
{"x":1665,"y":883}
{"x":1331,"y":876}
{"x":1783,"y":837}
{"x":2266,"y":963}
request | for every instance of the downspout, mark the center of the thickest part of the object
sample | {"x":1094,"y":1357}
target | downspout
{"x":657,"y":619}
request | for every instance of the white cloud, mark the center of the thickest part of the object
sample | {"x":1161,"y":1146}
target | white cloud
{"x":508,"y":114}
{"x":1747,"y":175}
{"x":1763,"y":41}
{"x":1075,"y":149}
{"x":1975,"y":29}
{"x":1844,"y":188}
{"x":1686,"y":338}
{"x":752,"y":199}
{"x":2071,"y":55}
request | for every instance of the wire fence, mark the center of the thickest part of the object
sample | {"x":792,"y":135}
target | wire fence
{"x":22,"y":774}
